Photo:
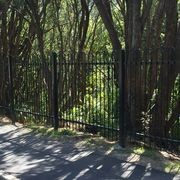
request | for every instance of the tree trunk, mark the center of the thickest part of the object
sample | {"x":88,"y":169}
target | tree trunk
{"x":168,"y":72}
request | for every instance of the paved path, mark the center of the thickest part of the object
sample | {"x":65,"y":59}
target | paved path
{"x":24,"y":155}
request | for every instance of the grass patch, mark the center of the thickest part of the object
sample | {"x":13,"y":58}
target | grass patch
{"x":50,"y":131}
{"x":173,"y":166}
{"x":138,"y":150}
{"x":145,"y":152}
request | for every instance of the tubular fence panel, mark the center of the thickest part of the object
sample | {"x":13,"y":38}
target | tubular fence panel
{"x":152,"y":99}
{"x":136,"y":100}
{"x":32,"y":94}
{"x":88,"y":95}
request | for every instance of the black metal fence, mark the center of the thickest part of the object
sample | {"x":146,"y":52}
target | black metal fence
{"x":152,"y":99}
{"x":129,"y":101}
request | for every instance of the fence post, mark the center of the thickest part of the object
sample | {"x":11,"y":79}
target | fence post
{"x":11,"y":91}
{"x":122,"y":99}
{"x":55,"y":91}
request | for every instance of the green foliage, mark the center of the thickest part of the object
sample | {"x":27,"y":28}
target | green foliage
{"x":99,"y":104}
{"x":18,"y":3}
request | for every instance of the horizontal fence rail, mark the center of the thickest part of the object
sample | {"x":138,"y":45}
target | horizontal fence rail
{"x":136,"y":99}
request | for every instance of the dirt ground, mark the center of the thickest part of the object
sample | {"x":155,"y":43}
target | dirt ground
{"x":5,"y":120}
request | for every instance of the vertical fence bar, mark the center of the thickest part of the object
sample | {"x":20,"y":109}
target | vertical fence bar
{"x":121,"y":99}
{"x":54,"y":91}
{"x":11,"y":91}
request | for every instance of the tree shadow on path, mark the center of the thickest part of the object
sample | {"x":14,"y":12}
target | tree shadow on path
{"x":28,"y":156}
